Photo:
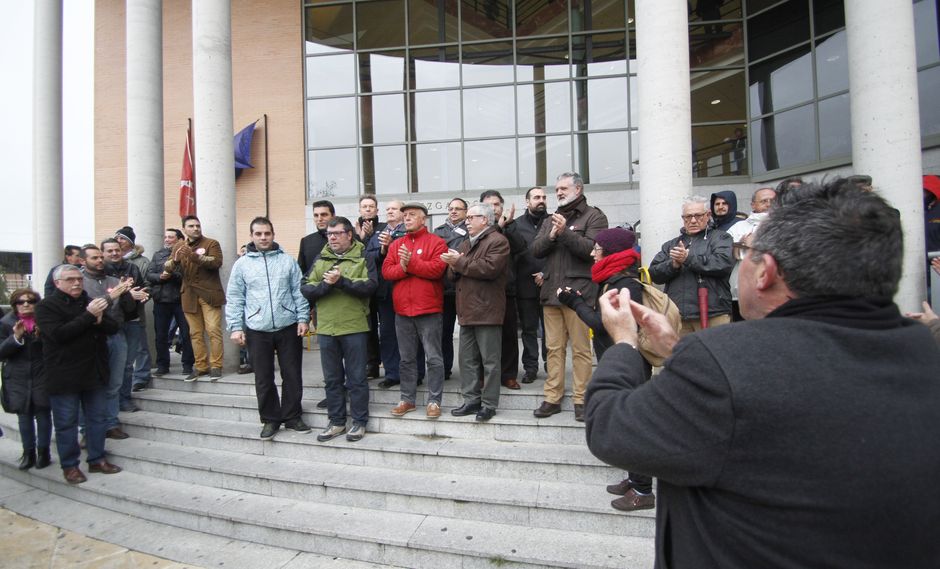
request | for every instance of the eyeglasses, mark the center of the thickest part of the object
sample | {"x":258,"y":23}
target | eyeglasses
{"x":26,"y":301}
{"x":741,"y":249}
{"x":476,"y":215}
{"x":335,"y":233}
{"x":71,"y":279}
{"x":695,"y":216}
{"x":456,"y":208}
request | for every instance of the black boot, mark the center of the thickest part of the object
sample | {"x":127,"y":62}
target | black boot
{"x":43,"y":457}
{"x":28,"y":460}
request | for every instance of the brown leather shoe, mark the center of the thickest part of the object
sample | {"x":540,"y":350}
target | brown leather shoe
{"x":511,"y":383}
{"x":434,"y":410}
{"x":104,"y":467}
{"x":547,"y":410}
{"x":632,"y":501}
{"x":402,"y":408}
{"x":73,"y":475}
{"x":621,"y":487}
{"x":117,"y":434}
{"x":579,"y":412}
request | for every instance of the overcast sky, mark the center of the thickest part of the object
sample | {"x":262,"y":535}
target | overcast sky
{"x":16,"y":61}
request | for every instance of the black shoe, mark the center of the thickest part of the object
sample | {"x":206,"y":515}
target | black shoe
{"x":387,"y":383}
{"x":420,"y":381}
{"x":161,"y":372}
{"x":129,"y":408}
{"x":43,"y":457}
{"x":485,"y":414}
{"x":579,"y":412}
{"x":269,"y":430}
{"x":297,"y":425}
{"x":447,"y":375}
{"x":140,"y":386}
{"x":529,"y":376}
{"x":466,"y":409}
{"x":28,"y":460}
{"x":321,"y":404}
{"x":373,"y":373}
{"x":245,"y":368}
{"x":547,"y":410}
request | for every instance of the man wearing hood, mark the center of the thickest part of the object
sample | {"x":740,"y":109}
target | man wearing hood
{"x":266,"y":310}
{"x":699,"y":258}
{"x":724,"y":209}
{"x":134,"y":254}
{"x":760,"y":205}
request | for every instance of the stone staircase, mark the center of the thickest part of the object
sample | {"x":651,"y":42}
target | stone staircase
{"x":514,"y":492}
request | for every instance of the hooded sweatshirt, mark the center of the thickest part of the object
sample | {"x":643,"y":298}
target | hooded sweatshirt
{"x":724,"y":222}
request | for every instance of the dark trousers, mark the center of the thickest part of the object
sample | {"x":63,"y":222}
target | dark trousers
{"x":289,"y":349}
{"x":65,"y":411}
{"x":163,"y":315}
{"x":530,"y":320}
{"x":447,"y":332}
{"x":343,"y":359}
{"x":372,"y":347}
{"x":388,"y":341}
{"x":35,"y":428}
{"x":509,"y":360}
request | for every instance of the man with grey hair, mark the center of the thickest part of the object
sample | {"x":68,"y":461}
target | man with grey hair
{"x":760,"y":205}
{"x":479,"y":272}
{"x":809,"y":431}
{"x":695,"y":267}
{"x":565,"y":241}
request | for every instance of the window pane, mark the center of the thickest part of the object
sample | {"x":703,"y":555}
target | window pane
{"x":719,"y":150}
{"x":828,"y":15}
{"x":383,"y":118}
{"x":544,"y":107}
{"x":835,"y":132}
{"x":716,"y":45}
{"x":832,"y":65}
{"x":603,"y":157}
{"x":489,"y":112}
{"x":485,"y":20}
{"x":485,"y":64}
{"x":925,"y":32}
{"x":599,"y":54}
{"x":380,"y":24}
{"x":777,"y":29}
{"x":381,"y":72}
{"x":928,"y":85}
{"x":542,"y":158}
{"x":332,"y":173}
{"x":541,"y":18}
{"x":331,"y":122}
{"x":718,"y":95}
{"x":708,"y":10}
{"x":432,"y":21}
{"x":384,"y":170}
{"x":438,"y":167}
{"x":783,"y":140}
{"x":754,"y":6}
{"x":434,"y":68}
{"x":606,"y":103}
{"x":331,"y":75}
{"x":329,"y":26}
{"x":542,"y":59}
{"x":490,"y":164}
{"x":602,"y":15}
{"x":437,"y":115}
{"x":781,"y":82}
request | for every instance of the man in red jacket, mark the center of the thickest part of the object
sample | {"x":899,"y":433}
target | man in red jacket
{"x":415,"y":267}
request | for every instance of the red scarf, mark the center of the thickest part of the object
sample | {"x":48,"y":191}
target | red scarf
{"x":613,"y":264}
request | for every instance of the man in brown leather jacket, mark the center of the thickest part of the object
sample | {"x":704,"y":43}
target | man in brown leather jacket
{"x":202,"y":296}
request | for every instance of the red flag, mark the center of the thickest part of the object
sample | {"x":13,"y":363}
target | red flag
{"x":187,"y":183}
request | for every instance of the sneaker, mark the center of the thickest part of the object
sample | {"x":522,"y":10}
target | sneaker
{"x":402,"y":408}
{"x":632,"y":501}
{"x":434,"y":410}
{"x":356,"y":433}
{"x":297,"y":425}
{"x":269,"y":430}
{"x":215,"y":373}
{"x":194,"y":374}
{"x":331,"y":432}
{"x":161,"y":372}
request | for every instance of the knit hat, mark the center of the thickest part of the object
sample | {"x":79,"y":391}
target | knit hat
{"x":615,"y":240}
{"x":127,"y":232}
{"x":932,"y":185}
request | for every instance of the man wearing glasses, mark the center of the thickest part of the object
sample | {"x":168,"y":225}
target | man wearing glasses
{"x":454,"y":232}
{"x":699,"y":258}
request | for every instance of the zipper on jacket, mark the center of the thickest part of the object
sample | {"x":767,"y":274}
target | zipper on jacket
{"x":267,"y":277}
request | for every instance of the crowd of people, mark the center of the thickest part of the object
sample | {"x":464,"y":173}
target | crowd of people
{"x":386,"y":296}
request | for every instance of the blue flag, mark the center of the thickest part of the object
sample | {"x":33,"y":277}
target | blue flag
{"x":243,"y":148}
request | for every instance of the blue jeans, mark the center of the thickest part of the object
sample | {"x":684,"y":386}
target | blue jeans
{"x":388,"y":342}
{"x":343,"y":359}
{"x":65,"y":409}
{"x":163,"y":314}
{"x":42,"y":428}
{"x":117,"y":360}
{"x":139,"y":354}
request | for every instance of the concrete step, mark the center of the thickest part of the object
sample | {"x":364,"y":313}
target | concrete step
{"x":392,"y":538}
{"x":508,"y":425}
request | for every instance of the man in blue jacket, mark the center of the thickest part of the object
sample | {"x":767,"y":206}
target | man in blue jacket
{"x":266,"y":310}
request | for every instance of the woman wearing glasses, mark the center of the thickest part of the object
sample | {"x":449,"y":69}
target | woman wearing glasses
{"x":24,"y":378}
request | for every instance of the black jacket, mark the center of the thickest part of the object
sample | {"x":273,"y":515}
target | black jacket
{"x":790,"y":441}
{"x":526,"y":227}
{"x":710,"y":258}
{"x":167,"y":291}
{"x":590,"y":314}
{"x":74,"y":345}
{"x":310,"y":247}
{"x":123,"y":270}
{"x":453,"y":236}
{"x":24,"y":376}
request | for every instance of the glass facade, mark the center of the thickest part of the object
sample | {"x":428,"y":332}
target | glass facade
{"x":407,"y":96}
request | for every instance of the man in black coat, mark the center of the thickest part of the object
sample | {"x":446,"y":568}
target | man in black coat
{"x":311,"y":245}
{"x":804,"y":437}
{"x":165,"y":281}
{"x":74,"y":332}
{"x":529,"y":281}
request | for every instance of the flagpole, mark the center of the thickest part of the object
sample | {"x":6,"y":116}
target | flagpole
{"x":267,"y":212}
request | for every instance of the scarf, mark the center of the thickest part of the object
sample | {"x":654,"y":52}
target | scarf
{"x":867,"y":313}
{"x":29,"y":322}
{"x":569,"y":210}
{"x":613,"y":264}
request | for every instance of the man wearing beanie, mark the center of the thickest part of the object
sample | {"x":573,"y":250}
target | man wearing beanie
{"x":134,"y":254}
{"x":565,"y":241}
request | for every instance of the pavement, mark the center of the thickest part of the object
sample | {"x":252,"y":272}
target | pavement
{"x":28,"y":544}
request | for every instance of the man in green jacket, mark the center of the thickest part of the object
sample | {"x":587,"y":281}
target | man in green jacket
{"x":340,"y":284}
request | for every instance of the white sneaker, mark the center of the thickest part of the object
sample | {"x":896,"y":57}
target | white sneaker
{"x":331,"y":432}
{"x":356,"y":433}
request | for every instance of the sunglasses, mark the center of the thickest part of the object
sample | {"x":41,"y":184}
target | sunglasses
{"x":25,"y":301}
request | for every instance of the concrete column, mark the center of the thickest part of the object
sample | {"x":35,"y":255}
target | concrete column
{"x":213,"y":134}
{"x":665,"y":119}
{"x":145,"y":122}
{"x":886,"y":122}
{"x":47,"y":139}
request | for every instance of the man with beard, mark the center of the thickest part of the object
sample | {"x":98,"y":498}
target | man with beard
{"x":529,"y":281}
